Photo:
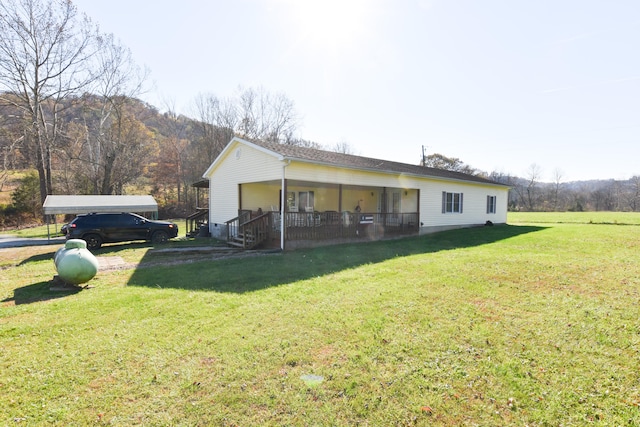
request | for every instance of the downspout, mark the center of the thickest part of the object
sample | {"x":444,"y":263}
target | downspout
{"x":283,"y":206}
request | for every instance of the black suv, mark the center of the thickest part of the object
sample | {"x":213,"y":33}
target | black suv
{"x":99,"y":228}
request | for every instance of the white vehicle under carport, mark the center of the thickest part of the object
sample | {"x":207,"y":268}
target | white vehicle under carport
{"x":99,"y":228}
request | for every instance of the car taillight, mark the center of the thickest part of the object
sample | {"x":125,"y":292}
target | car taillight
{"x":72,"y":226}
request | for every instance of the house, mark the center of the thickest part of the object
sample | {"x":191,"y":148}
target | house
{"x":287,"y":196}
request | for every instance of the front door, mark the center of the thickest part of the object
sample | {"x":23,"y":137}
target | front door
{"x":390,"y":203}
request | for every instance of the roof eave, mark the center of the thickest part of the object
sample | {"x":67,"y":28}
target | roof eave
{"x":388,"y":172}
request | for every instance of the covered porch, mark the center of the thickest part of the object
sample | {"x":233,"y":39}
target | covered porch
{"x":312,"y":213}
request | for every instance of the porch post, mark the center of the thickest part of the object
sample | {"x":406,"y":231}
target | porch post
{"x":340,"y":198}
{"x":385,"y":206}
{"x":283,"y":204}
{"x":418,"y":211}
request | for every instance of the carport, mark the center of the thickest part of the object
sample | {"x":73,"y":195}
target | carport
{"x":74,"y":205}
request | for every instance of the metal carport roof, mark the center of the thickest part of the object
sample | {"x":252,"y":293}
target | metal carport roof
{"x":57,"y":204}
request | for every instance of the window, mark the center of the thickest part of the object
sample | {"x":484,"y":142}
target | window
{"x":302,"y":201}
{"x":451,"y":202}
{"x":491,"y":204}
{"x":395,"y":204}
{"x":292,"y":205}
{"x":305,"y":201}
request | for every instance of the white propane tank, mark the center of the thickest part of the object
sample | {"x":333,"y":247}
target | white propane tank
{"x":75,"y":263}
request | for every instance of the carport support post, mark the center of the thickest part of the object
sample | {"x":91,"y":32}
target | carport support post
{"x":48,"y":217}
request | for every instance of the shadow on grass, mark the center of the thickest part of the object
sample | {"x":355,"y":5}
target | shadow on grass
{"x":36,"y":293}
{"x":40,"y":257}
{"x":41,"y":291}
{"x":113,"y":249}
{"x":247,"y":274}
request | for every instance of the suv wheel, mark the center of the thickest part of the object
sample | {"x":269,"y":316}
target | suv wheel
{"x":93,"y":241}
{"x":159,"y":237}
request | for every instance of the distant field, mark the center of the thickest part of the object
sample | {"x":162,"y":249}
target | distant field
{"x":622,"y":218}
{"x":531,"y":324}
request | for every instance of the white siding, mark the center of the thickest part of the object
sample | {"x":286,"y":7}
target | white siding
{"x":474,"y":206}
{"x":474,"y":210}
{"x":241,"y":164}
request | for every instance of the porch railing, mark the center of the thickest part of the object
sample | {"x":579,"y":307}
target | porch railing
{"x":338,"y":225}
{"x":247,"y":232}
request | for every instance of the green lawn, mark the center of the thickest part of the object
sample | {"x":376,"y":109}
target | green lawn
{"x":535,"y":323}
{"x":618,"y":218}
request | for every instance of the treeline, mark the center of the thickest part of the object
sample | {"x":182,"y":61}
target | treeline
{"x":134,"y":148}
{"x":577,"y":196}
{"x":531,"y":194}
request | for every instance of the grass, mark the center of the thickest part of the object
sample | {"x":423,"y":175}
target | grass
{"x":507,"y":325}
{"x":615,"y":218}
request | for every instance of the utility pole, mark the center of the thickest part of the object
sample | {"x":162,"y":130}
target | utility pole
{"x":424,"y":157}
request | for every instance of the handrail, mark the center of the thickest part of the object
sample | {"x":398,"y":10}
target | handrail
{"x":196,"y":217}
{"x":256,"y":231}
{"x":252,"y":232}
{"x":232,"y":228}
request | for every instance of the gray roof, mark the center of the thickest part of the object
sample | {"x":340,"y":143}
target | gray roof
{"x":66,"y":204}
{"x":313,"y":155}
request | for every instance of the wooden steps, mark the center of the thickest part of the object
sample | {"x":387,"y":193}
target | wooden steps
{"x":242,"y":241}
{"x":248,"y":234}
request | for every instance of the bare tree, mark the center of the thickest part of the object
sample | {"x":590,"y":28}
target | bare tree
{"x":557,"y":184}
{"x":45,"y":52}
{"x":618,"y":196}
{"x":342,"y":147}
{"x":307,"y":143}
{"x":176,"y":145}
{"x":119,"y":81}
{"x":11,"y":137}
{"x":602,"y":198}
{"x":633,"y":195}
{"x":527,"y":188}
{"x":252,"y":113}
{"x":100,"y":145}
{"x":218,"y":119}
{"x":531,"y":191}
{"x":266,"y":116}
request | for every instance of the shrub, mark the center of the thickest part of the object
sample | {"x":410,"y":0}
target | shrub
{"x":26,"y":198}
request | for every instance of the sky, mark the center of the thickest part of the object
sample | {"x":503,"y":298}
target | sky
{"x":502,"y":85}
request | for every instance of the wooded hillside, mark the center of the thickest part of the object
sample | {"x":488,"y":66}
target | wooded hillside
{"x":138,"y":150}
